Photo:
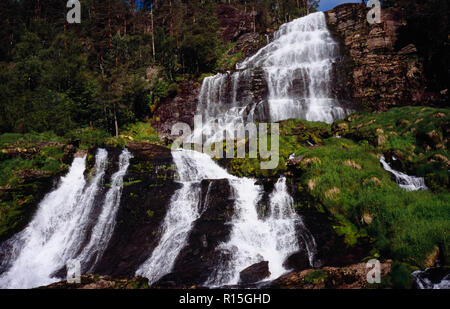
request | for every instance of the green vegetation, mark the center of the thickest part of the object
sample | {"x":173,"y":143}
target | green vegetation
{"x":28,"y":164}
{"x":294,"y":135}
{"x":418,"y":136}
{"x":118,"y":66}
{"x":400,"y":276}
{"x":315,"y":277}
{"x":344,"y":178}
{"x":228,"y":59}
{"x":348,"y":181}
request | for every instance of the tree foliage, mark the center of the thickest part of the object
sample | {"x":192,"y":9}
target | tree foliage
{"x":117,"y":65}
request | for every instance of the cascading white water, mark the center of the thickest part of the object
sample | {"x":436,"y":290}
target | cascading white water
{"x":103,"y":229}
{"x":302,"y":50}
{"x":254,"y":239}
{"x":297,"y":66}
{"x":183,"y":210}
{"x":46,"y":244}
{"x":61,"y":224}
{"x":409,"y":183}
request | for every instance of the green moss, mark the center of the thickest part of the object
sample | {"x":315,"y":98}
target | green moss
{"x":414,"y":134}
{"x":150,"y":213}
{"x":405,"y":225}
{"x":228,"y":60}
{"x":315,"y":277}
{"x":294,"y":136}
{"x":131,"y":182}
{"x":24,"y":174}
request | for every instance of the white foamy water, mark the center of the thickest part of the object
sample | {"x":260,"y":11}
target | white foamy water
{"x":62,"y":222}
{"x":425,"y":281}
{"x":47,"y":243}
{"x":183,"y":210}
{"x":296,"y":67}
{"x":409,"y":183}
{"x":252,"y":239}
{"x":103,"y":229}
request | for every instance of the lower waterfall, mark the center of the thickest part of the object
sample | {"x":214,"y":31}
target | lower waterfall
{"x":183,"y":210}
{"x":409,"y":183}
{"x":61,"y":224}
{"x":253,"y":239}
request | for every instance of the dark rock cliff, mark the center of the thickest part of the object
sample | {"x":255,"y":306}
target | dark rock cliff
{"x":374,"y":72}
{"x":148,"y":186}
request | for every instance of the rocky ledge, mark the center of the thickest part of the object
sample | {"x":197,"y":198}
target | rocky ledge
{"x":350,"y":277}
{"x":95,"y":282}
{"x":375,"y":72}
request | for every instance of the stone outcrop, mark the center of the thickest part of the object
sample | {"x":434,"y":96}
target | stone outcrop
{"x":350,"y":277}
{"x":331,"y":247}
{"x":254,"y":273}
{"x":234,"y":22}
{"x":95,"y":282}
{"x":182,"y":108}
{"x":374,"y":71}
{"x":148,"y":186}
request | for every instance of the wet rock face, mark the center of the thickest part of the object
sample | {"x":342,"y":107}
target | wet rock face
{"x":148,"y":186}
{"x":374,"y":71}
{"x":254,"y":273}
{"x":199,"y":258}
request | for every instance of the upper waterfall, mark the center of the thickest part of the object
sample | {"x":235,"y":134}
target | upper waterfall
{"x":296,"y":70}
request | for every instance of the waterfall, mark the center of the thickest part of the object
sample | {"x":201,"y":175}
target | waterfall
{"x":255,"y":239}
{"x":103,"y":229}
{"x":432,"y":278}
{"x":183,"y":210}
{"x":409,"y":183}
{"x":252,"y":239}
{"x":296,"y":68}
{"x":61,"y":224}
{"x":36,"y":251}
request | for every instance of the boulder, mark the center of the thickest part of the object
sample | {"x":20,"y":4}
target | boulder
{"x":255,"y":273}
{"x":347,"y":277}
{"x":297,"y":261}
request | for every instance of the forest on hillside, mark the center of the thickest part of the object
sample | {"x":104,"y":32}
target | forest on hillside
{"x":126,"y":57}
